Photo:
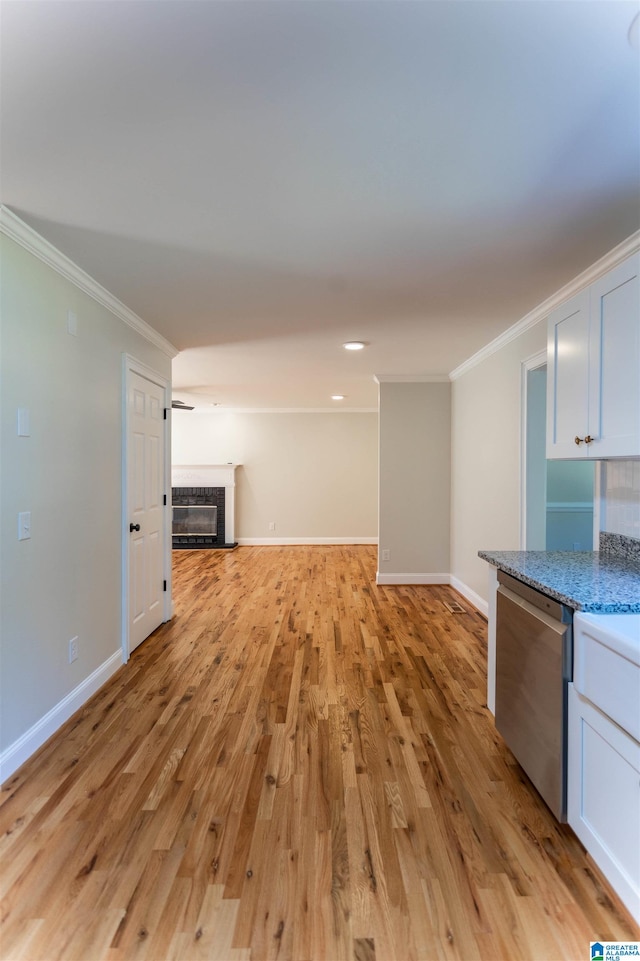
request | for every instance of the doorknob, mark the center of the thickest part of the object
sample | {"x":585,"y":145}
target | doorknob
{"x":133,"y":527}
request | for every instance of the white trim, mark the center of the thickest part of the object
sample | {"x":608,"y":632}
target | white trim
{"x":17,"y":230}
{"x":230,"y":466}
{"x":531,"y":363}
{"x":215,"y":411}
{"x":492,"y":590}
{"x":29,"y":742}
{"x":470,"y":595}
{"x":599,"y":501}
{"x":293,"y":541}
{"x":203,"y":475}
{"x":413,"y":578}
{"x":597,"y":270}
{"x":411,"y":378}
{"x":132,"y":365}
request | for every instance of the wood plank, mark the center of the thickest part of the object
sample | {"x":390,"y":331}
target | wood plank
{"x":300,"y":766}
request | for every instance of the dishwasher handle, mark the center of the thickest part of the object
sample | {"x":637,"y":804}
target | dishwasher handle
{"x":536,"y":598}
{"x":560,"y":620}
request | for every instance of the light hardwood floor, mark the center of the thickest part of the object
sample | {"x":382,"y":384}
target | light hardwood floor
{"x":299,"y":766}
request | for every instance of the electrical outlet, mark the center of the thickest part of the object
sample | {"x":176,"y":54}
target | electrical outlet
{"x":73,"y":649}
{"x":386,"y":554}
{"x":272,"y":525}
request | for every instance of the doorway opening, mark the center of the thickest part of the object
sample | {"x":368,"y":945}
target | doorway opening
{"x":558,"y":495}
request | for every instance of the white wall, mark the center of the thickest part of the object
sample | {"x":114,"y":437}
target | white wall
{"x":621,"y":498}
{"x":415,"y":461}
{"x":312,"y":474}
{"x":65,"y":580}
{"x":486,"y":444}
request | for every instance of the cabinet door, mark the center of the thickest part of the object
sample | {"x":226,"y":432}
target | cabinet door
{"x":568,"y":378}
{"x":614,"y":368}
{"x":603,"y":796}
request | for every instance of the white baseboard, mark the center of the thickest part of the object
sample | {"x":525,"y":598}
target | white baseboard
{"x":412,"y":578}
{"x":292,"y":541}
{"x":26,"y":745}
{"x":478,"y":602}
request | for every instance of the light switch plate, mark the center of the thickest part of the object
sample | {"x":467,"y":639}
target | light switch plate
{"x":73,"y":649}
{"x":72,"y":323}
{"x":24,"y":429}
{"x":24,"y":525}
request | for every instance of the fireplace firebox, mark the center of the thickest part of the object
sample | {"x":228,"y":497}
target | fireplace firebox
{"x":200,"y":520}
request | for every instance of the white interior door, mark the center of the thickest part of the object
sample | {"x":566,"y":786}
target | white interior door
{"x":145,"y":496}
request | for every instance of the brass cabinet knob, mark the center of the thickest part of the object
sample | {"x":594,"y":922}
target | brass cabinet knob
{"x":579,"y":440}
{"x":588,"y":439}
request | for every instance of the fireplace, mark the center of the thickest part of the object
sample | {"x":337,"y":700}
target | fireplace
{"x":198,"y":517}
{"x":196,"y":490}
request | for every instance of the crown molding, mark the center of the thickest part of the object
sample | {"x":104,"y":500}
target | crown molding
{"x":17,"y":230}
{"x":411,"y":378}
{"x":610,"y":260}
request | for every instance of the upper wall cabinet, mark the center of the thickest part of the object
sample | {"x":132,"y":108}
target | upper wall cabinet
{"x":593,"y":369}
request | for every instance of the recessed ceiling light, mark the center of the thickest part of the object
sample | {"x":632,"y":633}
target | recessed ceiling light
{"x":337,"y":397}
{"x":354,"y":345}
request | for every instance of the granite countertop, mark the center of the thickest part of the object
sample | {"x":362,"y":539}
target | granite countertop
{"x":589,"y":581}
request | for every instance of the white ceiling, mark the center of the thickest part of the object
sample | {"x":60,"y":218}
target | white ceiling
{"x":261,"y":181}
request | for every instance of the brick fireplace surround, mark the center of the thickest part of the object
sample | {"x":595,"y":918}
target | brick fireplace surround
{"x":215,"y":477}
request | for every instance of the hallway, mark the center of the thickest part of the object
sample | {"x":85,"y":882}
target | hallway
{"x":300,"y":765}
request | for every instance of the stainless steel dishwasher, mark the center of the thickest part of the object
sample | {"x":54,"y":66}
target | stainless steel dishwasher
{"x":534,"y":653}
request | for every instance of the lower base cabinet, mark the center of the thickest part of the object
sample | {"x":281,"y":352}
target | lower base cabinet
{"x":603,"y":796}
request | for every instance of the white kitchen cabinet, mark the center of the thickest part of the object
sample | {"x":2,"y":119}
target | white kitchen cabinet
{"x":593,"y":369}
{"x":603,"y":796}
{"x":603,"y":784}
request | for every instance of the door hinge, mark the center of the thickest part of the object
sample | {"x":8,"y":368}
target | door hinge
{"x":164,"y":585}
{"x":165,"y":413}
{"x":164,"y":501}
